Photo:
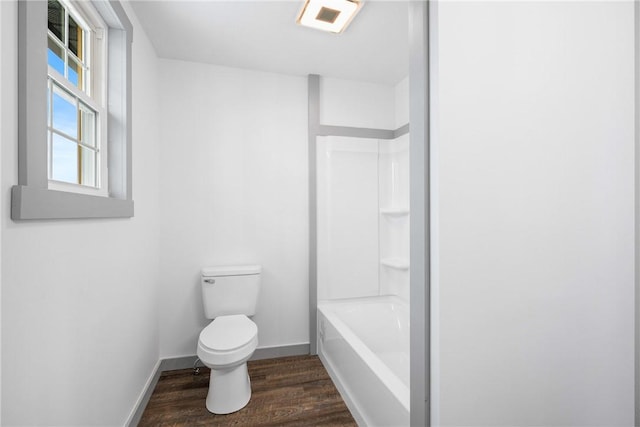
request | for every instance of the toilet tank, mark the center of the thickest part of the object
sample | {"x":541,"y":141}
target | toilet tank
{"x":230,"y":290}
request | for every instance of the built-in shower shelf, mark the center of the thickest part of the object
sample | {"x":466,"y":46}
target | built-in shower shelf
{"x":394,"y":211}
{"x":397,"y":263}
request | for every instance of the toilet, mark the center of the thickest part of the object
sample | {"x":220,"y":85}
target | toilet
{"x":229,"y":295}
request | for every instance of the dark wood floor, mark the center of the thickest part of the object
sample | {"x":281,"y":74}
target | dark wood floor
{"x":288,"y":391}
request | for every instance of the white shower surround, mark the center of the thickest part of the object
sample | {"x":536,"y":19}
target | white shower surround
{"x":363,"y":276}
{"x":364,"y":344}
{"x":363,"y":217}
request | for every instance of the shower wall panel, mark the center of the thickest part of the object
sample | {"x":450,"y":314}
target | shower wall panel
{"x":347,"y":217}
{"x":394,"y":216}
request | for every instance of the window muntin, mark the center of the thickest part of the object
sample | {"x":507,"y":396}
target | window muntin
{"x":74,"y":155}
{"x":76,"y":123}
{"x":33,"y":197}
{"x":68,"y":45}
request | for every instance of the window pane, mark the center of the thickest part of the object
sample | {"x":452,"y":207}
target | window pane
{"x":75,"y":75}
{"x":56,"y":19}
{"x":64,"y":159}
{"x":87,"y":126}
{"x":65,"y":113}
{"x":88,"y":167}
{"x":55,"y":56}
{"x":76,"y":39}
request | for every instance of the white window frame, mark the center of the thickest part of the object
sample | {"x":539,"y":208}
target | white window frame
{"x":32,"y":198}
{"x":93,"y":95}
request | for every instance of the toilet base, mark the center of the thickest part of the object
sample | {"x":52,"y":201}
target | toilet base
{"x":229,"y":389}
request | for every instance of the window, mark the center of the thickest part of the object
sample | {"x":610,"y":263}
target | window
{"x":75,"y":113}
{"x":69,"y":136}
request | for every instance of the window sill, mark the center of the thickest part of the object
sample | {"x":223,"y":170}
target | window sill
{"x":28,"y":203}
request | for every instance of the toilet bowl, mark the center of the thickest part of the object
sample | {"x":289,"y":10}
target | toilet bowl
{"x":225,"y":346}
{"x":230,"y":295}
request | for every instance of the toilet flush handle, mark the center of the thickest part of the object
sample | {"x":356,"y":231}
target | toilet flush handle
{"x":212,"y":281}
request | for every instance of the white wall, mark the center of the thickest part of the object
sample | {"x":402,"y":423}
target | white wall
{"x":3,"y":128}
{"x":535,"y":193}
{"x":79,"y":300}
{"x":234,"y":180}
{"x":234,"y":161}
{"x":365,"y":105}
{"x":356,"y":104}
{"x":401,"y":103}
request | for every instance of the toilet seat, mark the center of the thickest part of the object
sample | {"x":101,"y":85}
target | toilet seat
{"x":228,"y":340}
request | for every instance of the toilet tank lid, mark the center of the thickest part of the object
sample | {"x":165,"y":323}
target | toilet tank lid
{"x":231,"y":270}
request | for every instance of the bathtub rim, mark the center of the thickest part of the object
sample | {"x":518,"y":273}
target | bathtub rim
{"x":391,"y":381}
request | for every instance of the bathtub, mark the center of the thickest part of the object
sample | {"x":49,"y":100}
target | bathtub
{"x":364,"y":345}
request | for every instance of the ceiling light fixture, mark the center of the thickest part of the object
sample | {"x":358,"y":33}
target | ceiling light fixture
{"x":328,"y":15}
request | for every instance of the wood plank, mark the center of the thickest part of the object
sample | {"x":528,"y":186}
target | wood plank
{"x":287,"y":391}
